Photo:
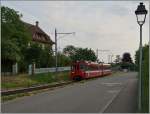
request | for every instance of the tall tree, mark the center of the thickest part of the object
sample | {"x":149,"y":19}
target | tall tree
{"x":14,"y":35}
{"x":14,"y":38}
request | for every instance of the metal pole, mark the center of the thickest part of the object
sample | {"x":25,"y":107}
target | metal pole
{"x":56,"y":49}
{"x":111,"y":59}
{"x":56,"y":55}
{"x":108,"y":58}
{"x":140,"y":69}
{"x":97,"y":54}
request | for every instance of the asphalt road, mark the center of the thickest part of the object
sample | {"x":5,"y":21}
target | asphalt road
{"x":107,"y":94}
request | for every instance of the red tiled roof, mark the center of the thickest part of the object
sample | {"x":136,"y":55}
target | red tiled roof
{"x":38,"y":34}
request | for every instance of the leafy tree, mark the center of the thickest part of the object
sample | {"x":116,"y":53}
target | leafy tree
{"x":76,"y":53}
{"x":42,"y":57}
{"x":15,"y":39}
{"x":14,"y":36}
{"x":46,"y":57}
{"x":33,"y":53}
{"x":118,"y":59}
{"x":69,"y":50}
{"x":63,"y":60}
{"x":84,"y":54}
{"x":127,"y":62}
{"x":145,"y":80}
{"x":144,"y":51}
{"x":127,"y":58}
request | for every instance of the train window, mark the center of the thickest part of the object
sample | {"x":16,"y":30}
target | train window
{"x":106,"y":68}
{"x":90,"y":68}
{"x":82,"y":67}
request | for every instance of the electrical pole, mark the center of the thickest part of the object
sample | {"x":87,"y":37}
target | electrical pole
{"x":109,"y":58}
{"x":101,"y":51}
{"x":56,"y":50}
{"x":97,"y":54}
{"x":56,"y":61}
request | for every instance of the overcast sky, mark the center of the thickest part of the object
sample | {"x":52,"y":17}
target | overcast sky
{"x":106,"y":25}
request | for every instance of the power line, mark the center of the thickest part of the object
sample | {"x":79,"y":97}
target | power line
{"x":56,"y":49}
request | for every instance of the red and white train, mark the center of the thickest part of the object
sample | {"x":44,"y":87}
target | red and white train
{"x":85,"y":69}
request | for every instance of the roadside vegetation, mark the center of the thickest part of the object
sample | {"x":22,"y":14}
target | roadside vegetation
{"x":24,"y":80}
{"x":145,"y":78}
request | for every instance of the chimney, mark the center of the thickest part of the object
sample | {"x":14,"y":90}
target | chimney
{"x":37,"y":23}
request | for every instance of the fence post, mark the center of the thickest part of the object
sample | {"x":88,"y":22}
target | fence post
{"x":15,"y":68}
{"x":33,"y":68}
{"x":30,"y":69}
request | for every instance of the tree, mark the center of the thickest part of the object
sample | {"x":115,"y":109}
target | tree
{"x":118,"y":59}
{"x":127,"y":62}
{"x":14,"y":36}
{"x":69,"y":50}
{"x":76,"y":53}
{"x":84,"y":54}
{"x":46,"y":57}
{"x":127,"y":58}
{"x":145,"y":51}
{"x":63,"y":60}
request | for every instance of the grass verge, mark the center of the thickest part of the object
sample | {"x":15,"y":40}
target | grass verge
{"x":24,"y":80}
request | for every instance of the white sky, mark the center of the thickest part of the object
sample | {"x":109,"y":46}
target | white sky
{"x":106,"y":25}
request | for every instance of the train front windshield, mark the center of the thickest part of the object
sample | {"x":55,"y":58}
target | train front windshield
{"x":75,"y":67}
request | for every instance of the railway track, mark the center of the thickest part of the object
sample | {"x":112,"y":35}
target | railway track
{"x":33,"y":88}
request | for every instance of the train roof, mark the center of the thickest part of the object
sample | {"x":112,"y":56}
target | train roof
{"x":92,"y":63}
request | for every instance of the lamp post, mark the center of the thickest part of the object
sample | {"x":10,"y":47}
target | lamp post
{"x":141,"y":16}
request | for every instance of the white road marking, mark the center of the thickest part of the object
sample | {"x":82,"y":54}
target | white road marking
{"x":110,"y":101}
{"x":113,"y":98}
{"x":113,"y":91}
{"x":111,"y":84}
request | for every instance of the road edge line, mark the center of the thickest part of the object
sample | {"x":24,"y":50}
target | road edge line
{"x":111,"y":101}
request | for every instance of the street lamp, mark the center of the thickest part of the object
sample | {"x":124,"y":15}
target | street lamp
{"x":141,"y":16}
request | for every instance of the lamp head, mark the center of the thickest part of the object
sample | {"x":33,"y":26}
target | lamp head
{"x":141,"y":14}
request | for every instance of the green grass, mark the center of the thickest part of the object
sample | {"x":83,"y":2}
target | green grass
{"x":24,"y":80}
{"x":11,"y":97}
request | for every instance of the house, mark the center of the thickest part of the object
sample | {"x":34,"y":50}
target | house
{"x":38,"y":35}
